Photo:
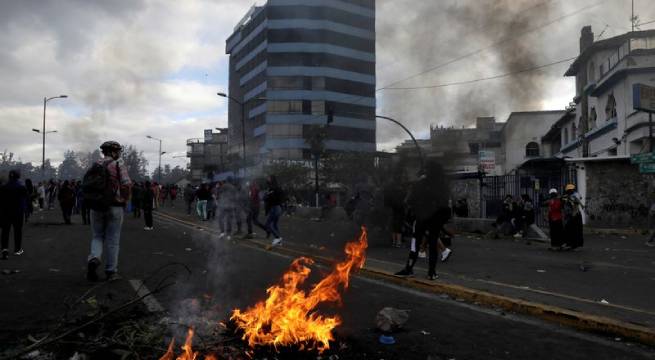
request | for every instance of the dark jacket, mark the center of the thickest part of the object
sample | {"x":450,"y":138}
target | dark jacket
{"x":13,"y":199}
{"x":66,"y":197}
{"x":147,"y":198}
{"x":274,"y":197}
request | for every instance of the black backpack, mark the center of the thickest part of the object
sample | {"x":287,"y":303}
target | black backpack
{"x":97,"y":189}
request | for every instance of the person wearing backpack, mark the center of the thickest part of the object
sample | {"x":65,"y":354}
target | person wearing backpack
{"x":106,"y":189}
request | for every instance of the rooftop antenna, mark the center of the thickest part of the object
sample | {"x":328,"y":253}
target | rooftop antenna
{"x":634,"y":19}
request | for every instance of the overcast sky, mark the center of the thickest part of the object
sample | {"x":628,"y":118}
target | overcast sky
{"x":135,"y":68}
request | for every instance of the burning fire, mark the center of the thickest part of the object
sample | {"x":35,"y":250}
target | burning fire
{"x":187,"y":350}
{"x":288,"y":316}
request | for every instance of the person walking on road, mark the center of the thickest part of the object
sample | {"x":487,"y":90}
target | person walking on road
{"x":253,"y":209}
{"x":29,"y":203}
{"x":13,"y":198}
{"x":147,"y":200}
{"x":107,"y":187}
{"x":555,"y":221}
{"x":428,"y":198}
{"x":572,"y":210}
{"x":203,"y":194}
{"x":273,"y":204}
{"x":42,"y":195}
{"x":189,"y":196}
{"x":137,"y":199}
{"x":66,"y":201}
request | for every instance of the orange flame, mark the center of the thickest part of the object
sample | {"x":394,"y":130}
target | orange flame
{"x":288,"y":316}
{"x":187,"y":350}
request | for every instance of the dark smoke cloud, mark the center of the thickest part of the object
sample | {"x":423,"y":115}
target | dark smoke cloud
{"x":430,"y":33}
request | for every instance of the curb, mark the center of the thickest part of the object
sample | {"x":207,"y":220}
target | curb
{"x":570,"y":318}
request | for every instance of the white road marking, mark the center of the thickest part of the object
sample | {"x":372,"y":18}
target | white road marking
{"x":149,"y":300}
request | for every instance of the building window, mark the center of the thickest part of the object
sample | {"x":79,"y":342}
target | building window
{"x":285,"y":83}
{"x":474,"y":148}
{"x":318,"y":107}
{"x":592,"y":118}
{"x":532,"y":150}
{"x":288,"y":107}
{"x":318,"y":83}
{"x":610,"y":108}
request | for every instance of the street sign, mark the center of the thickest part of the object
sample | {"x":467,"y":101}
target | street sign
{"x":643,"y":98}
{"x":642,"y":158}
{"x":487,"y":161}
{"x":647,"y":168}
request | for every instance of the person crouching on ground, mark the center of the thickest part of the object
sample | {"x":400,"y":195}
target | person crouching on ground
{"x":106,"y":190}
{"x":555,"y":221}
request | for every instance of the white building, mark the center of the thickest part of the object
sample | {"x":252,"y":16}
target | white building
{"x":521,"y":136}
{"x":605,"y":123}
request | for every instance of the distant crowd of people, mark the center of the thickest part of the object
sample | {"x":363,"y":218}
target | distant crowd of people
{"x":229,"y":202}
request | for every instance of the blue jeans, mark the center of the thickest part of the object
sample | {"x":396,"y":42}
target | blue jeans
{"x":106,"y":227}
{"x":201,"y":208}
{"x":272,"y":220}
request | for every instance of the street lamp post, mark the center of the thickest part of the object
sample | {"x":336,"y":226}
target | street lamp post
{"x":43,"y":132}
{"x":160,"y":154}
{"x":243,"y":126}
{"x":418,"y":148}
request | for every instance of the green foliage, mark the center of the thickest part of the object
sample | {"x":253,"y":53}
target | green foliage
{"x":292,"y":175}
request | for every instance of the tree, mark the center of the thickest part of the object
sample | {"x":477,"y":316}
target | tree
{"x":136,"y":163}
{"x":291,"y":175}
{"x":70,"y":168}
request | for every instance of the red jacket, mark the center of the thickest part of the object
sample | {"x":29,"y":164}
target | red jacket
{"x":555,"y":209}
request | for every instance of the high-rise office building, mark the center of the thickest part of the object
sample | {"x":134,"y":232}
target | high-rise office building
{"x":293,"y":62}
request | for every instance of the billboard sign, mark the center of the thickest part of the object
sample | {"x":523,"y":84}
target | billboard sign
{"x":643,"y":98}
{"x":487,"y":161}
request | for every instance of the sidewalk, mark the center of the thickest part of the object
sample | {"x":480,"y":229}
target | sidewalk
{"x":613,"y":276}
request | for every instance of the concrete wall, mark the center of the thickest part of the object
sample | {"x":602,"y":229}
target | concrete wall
{"x":617,"y":195}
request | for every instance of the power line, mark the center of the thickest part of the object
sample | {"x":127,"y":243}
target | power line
{"x":485,"y":78}
{"x":502,"y":41}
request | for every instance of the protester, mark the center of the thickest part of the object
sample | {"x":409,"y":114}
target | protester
{"x":107,"y":198}
{"x":147,"y":198}
{"x":228,"y":209}
{"x":13,"y":198}
{"x":66,"y":201}
{"x":189,"y":196}
{"x":212,"y":203}
{"x":555,"y":221}
{"x":394,"y":200}
{"x":31,"y":194}
{"x":156,"y":188}
{"x":572,"y":210}
{"x":203,"y":194}
{"x":253,"y":209}
{"x":85,"y":212}
{"x":137,"y":199}
{"x":273,"y":204}
{"x":172,"y":191}
{"x":428,"y":198}
{"x":504,"y":223}
{"x":527,"y":215}
{"x":52,"y":194}
{"x":42,"y":195}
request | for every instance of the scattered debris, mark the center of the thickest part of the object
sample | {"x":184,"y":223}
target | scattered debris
{"x":425,"y":332}
{"x":54,"y":270}
{"x":603,"y":301}
{"x":188,"y":249}
{"x":390,"y":319}
{"x":541,"y":271}
{"x":10,"y":272}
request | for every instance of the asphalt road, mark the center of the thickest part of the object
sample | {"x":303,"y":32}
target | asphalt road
{"x":229,"y":275}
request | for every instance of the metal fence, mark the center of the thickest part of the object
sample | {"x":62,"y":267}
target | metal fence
{"x":494,"y":189}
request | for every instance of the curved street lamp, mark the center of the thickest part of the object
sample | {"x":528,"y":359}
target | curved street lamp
{"x":418,"y":148}
{"x":43,"y":132}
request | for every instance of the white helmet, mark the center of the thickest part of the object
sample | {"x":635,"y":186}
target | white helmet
{"x":552,"y":191}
